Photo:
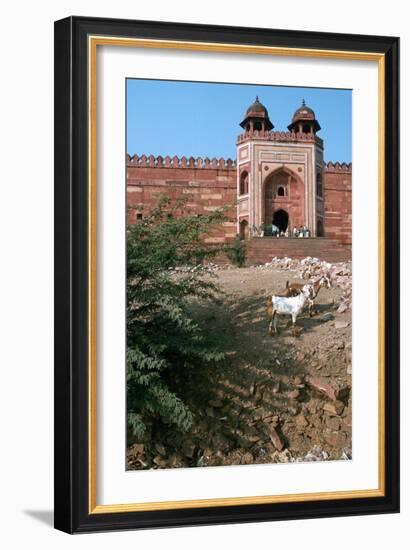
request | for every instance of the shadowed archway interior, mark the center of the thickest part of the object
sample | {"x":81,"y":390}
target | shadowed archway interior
{"x":281,"y":219}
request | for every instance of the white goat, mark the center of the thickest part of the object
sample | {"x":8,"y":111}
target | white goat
{"x":287,"y":306}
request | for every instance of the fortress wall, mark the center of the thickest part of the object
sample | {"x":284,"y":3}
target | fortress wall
{"x":338,"y":202}
{"x":212,"y":183}
{"x":207,"y":185}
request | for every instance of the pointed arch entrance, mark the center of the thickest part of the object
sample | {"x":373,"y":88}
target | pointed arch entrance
{"x":283,"y":199}
{"x":281,"y":219}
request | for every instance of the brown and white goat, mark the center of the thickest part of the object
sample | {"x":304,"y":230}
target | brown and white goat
{"x":293,"y":289}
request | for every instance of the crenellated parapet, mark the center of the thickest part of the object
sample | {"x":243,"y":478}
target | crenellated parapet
{"x":337,"y":167}
{"x":283,"y":137}
{"x":151,"y":161}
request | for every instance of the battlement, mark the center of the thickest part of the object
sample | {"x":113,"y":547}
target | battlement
{"x":338,"y":167}
{"x":181,"y":162}
{"x":283,"y":137}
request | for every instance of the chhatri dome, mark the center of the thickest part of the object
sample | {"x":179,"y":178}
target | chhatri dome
{"x":304,"y":120}
{"x":256,"y":117}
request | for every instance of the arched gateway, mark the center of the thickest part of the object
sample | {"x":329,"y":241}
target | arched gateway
{"x":283,"y":199}
{"x":284,"y":171}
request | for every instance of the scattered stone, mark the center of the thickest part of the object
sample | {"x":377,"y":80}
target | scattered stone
{"x":251,"y":434}
{"x":341,"y":324}
{"x":247,"y":458}
{"x":220,"y":442}
{"x":313,"y":405}
{"x":314,"y":455}
{"x":335,"y":408}
{"x":343,"y":307}
{"x":158,"y":461}
{"x":137,"y":449}
{"x":301,"y":422}
{"x":175,"y":460}
{"x":293,"y":394}
{"x":323,"y":387}
{"x":276,"y":439}
{"x":333,"y":423}
{"x":335,"y":439}
{"x":188,"y":449}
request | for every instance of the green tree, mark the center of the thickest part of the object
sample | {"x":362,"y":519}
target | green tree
{"x":165,"y":255}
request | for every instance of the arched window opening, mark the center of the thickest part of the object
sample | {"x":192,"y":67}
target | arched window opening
{"x":257,"y":126}
{"x":306,"y":129}
{"x":319,"y":230}
{"x":281,"y":191}
{"x":244,"y":183}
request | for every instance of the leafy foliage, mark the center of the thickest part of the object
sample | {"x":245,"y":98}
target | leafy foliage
{"x":237,"y":252}
{"x":162,"y":337}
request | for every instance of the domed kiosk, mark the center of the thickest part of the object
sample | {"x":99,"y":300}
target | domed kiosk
{"x":256,"y":118}
{"x":304,"y":120}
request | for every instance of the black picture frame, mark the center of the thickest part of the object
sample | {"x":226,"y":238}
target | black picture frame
{"x":71,"y":491}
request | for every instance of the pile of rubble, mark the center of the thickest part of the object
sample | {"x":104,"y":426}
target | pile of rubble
{"x":208,"y":267}
{"x":340,"y":274}
{"x":297,"y":418}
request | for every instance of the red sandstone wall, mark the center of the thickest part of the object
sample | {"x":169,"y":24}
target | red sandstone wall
{"x":208,"y":184}
{"x":211,"y":184}
{"x":338,"y":202}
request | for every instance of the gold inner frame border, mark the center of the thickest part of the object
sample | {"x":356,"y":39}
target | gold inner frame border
{"x":93,"y":43}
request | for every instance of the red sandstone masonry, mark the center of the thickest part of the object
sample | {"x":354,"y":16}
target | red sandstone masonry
{"x":208,"y":184}
{"x":338,"y":201}
{"x":212,"y":183}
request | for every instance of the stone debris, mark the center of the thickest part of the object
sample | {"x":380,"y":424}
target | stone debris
{"x":341,"y":324}
{"x":284,"y":410}
{"x":293,"y":394}
{"x":316,"y":454}
{"x":275,"y":438}
{"x":188,"y":449}
{"x":323,"y":387}
{"x":335,"y":408}
{"x":340,"y":274}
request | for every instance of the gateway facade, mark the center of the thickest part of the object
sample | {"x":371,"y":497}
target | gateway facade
{"x":278,"y":177}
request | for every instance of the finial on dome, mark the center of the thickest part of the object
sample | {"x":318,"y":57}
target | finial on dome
{"x":257,"y":98}
{"x":303,"y":103}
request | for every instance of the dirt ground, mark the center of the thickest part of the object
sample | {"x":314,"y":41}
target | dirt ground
{"x":279,"y":398}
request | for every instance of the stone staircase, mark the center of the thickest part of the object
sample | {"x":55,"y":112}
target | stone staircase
{"x":262,"y":250}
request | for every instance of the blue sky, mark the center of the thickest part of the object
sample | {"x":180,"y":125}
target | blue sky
{"x":202,"y":119}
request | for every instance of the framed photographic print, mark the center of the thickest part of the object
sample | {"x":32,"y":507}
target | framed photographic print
{"x":226,"y":274}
